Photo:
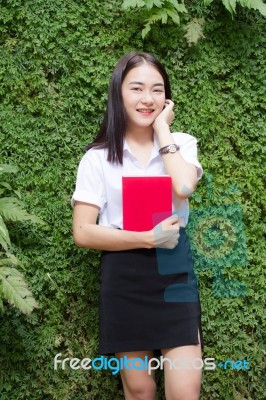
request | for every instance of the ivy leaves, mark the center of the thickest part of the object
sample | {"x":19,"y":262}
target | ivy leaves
{"x":56,"y":60}
{"x":157,"y":11}
{"x":230,"y":5}
{"x":163,"y":11}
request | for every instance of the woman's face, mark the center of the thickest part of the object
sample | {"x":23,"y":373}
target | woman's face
{"x":143,"y":95}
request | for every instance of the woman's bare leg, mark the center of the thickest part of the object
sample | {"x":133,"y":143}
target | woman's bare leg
{"x":184,"y":381}
{"x":137,"y":384}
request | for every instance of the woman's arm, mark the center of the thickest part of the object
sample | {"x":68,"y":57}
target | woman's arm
{"x":183,"y":174}
{"x":90,"y":235}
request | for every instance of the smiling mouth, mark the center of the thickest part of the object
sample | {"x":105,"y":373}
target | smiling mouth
{"x":145,"y":110}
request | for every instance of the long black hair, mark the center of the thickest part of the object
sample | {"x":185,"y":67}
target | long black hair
{"x":114,"y":125}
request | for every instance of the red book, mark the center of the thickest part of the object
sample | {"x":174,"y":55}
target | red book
{"x":147,"y":200}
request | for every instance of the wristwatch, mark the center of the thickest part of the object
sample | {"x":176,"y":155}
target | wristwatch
{"x":170,"y":148}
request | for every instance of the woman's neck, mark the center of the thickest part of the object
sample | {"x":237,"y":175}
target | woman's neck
{"x":141,"y":145}
{"x":142,"y":136}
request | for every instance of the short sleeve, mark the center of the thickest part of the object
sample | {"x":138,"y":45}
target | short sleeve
{"x":90,"y":186}
{"x":188,"y":150}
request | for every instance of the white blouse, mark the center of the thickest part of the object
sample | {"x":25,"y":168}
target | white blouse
{"x":99,"y":182}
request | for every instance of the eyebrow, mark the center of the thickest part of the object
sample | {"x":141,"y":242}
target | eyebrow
{"x":141,"y":83}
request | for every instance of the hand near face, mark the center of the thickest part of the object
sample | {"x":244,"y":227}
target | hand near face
{"x":166,"y":117}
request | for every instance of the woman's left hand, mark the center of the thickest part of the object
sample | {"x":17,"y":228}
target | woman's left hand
{"x":165,"y":117}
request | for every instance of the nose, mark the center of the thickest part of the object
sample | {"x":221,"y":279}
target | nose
{"x":147,"y":98}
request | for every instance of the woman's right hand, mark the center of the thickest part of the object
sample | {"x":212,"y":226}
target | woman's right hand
{"x":166,"y":233}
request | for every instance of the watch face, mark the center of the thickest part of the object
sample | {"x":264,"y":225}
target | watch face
{"x":172,"y":148}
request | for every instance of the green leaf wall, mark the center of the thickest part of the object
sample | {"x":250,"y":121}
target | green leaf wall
{"x":55,"y":62}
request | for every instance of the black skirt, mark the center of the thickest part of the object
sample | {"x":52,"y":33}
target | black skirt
{"x":149,"y":299}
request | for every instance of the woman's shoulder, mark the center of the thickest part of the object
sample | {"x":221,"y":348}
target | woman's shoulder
{"x":94,"y":157}
{"x":183,"y":138}
{"x":95,"y":152}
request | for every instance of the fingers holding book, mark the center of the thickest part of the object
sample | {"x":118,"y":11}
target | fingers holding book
{"x":166,"y":233}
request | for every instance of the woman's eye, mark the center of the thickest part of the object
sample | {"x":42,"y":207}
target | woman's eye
{"x":136,"y":89}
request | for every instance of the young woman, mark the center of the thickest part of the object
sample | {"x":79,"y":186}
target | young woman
{"x":135,"y":317}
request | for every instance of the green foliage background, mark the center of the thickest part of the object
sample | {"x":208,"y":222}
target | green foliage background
{"x":55,"y":63}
